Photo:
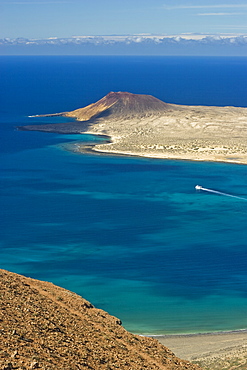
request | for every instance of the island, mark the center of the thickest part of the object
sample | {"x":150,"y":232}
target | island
{"x":142,"y":125}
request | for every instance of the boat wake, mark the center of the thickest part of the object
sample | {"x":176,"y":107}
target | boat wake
{"x":199,"y":187}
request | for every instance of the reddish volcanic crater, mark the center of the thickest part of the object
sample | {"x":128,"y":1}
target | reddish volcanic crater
{"x":123,"y":104}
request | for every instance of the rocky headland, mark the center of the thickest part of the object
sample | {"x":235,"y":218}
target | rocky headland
{"x":43,"y":326}
{"x":143,"y":125}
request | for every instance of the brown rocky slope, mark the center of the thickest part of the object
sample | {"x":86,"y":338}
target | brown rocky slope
{"x":114,"y":106}
{"x":43,"y":326}
{"x":120,"y":104}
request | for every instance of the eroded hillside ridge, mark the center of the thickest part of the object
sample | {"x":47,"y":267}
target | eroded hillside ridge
{"x":47,"y":327}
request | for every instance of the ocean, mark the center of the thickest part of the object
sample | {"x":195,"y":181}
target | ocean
{"x":131,"y":235}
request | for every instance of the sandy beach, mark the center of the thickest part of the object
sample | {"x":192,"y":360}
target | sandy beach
{"x":177,"y":149}
{"x":223,"y":350}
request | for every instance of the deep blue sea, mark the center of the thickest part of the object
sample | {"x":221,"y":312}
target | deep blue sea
{"x":131,"y":235}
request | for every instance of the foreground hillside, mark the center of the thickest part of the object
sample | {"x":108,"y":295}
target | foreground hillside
{"x":43,"y":326}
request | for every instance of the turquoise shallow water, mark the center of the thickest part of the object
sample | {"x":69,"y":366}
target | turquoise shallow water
{"x":131,"y":235}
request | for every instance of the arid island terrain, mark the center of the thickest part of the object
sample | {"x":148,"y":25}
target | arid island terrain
{"x":143,"y":125}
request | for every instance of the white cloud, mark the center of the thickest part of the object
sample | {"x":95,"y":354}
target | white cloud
{"x":36,"y":2}
{"x":219,"y":14}
{"x":232,"y":27}
{"x":205,"y":6}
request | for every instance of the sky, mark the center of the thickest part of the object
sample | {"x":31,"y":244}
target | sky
{"x":67,"y":18}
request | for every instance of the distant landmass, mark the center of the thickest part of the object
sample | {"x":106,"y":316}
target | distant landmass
{"x":44,"y":326}
{"x":143,"y":125}
{"x":139,"y":44}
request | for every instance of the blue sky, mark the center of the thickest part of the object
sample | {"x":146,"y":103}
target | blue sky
{"x":66,"y":18}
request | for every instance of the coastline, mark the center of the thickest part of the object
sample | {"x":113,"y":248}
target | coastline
{"x":94,"y":150}
{"x":211,"y":350}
